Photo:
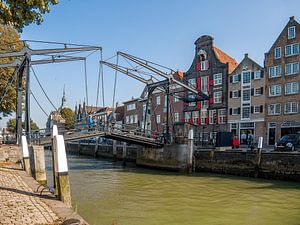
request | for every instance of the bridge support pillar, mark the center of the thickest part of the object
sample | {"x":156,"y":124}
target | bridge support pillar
{"x":190,"y":151}
{"x":114,"y":150}
{"x":25,"y":153}
{"x":124,"y":153}
{"x":38,"y":164}
{"x":63,"y":183}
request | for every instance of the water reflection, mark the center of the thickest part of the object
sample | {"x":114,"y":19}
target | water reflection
{"x":106,"y":193}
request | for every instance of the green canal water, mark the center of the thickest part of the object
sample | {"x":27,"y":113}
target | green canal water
{"x":104,"y":193}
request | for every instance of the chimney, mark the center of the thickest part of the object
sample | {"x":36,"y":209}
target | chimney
{"x":246,"y":55}
{"x":292,"y":18}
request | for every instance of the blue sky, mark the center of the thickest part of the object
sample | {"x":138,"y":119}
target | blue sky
{"x":163,"y":31}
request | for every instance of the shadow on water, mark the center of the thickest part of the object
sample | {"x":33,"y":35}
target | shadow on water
{"x":86,"y":163}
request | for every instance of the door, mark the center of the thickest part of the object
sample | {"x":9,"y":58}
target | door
{"x":271,"y":136}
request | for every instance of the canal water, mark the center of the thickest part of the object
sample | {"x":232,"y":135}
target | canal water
{"x":105,"y":193}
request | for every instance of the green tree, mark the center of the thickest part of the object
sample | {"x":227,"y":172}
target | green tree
{"x":20,"y":13}
{"x":9,"y":41}
{"x":69,"y":116}
{"x":11,"y":125}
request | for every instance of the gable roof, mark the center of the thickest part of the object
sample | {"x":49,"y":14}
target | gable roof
{"x":224,"y":58}
{"x":246,"y":57}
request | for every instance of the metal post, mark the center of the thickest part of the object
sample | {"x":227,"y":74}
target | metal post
{"x":148,"y":98}
{"x":27,"y":101}
{"x":167,"y":139}
{"x":19,"y":106}
{"x":190,"y":150}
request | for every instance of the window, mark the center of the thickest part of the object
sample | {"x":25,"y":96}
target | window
{"x":291,"y":32}
{"x":222,"y":116}
{"x":157,"y":118}
{"x":274,"y":109}
{"x":235,"y":78}
{"x":258,"y":91}
{"x":203,"y":117}
{"x":192,"y":82}
{"x":217,"y":79}
{"x":275,"y":90}
{"x":246,"y":77}
{"x":275,"y":71}
{"x":235,"y":111}
{"x":195,"y":115}
{"x":192,"y":97}
{"x":204,"y":65}
{"x":277,"y":52}
{"x":257,"y":74}
{"x":291,"y":88}
{"x":256,"y":109}
{"x":204,"y":84}
{"x":212,"y":114}
{"x":291,"y":68}
{"x":246,"y":113}
{"x":176,"y":117}
{"x":218,"y":97}
{"x":131,"y":119}
{"x":135,"y":119}
{"x":176,"y":99}
{"x":131,"y":107}
{"x":127,"y":120}
{"x":235,"y":94}
{"x":204,"y":104}
{"x":291,"y":107}
{"x":157,"y":100}
{"x":292,"y":49}
{"x":187,"y":116}
{"x":246,"y":95}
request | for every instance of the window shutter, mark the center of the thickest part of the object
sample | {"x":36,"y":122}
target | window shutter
{"x":230,"y":94}
{"x":239,"y":110}
{"x":239,"y":77}
{"x":252,"y":75}
{"x":252,"y":91}
{"x":239,"y":93}
{"x":199,"y":83}
{"x":230,"y":111}
{"x":211,"y":82}
{"x":252,"y":109}
{"x":216,"y":116}
{"x":211,"y":100}
{"x":261,"y":108}
{"x":262,"y":74}
{"x":198,"y":67}
{"x":262,"y":90}
{"x":230,"y":79}
{"x":207,"y":120}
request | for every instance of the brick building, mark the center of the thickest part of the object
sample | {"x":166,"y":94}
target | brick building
{"x":282,"y":83}
{"x":246,"y":100}
{"x":208,"y":73}
{"x":132,"y":113}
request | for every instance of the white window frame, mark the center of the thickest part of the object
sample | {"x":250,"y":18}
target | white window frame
{"x":242,"y":78}
{"x":218,"y":96}
{"x":255,"y":94}
{"x":289,"y":32}
{"x":293,"y":70}
{"x":274,"y":113}
{"x":277,"y":71}
{"x":158,"y":119}
{"x":218,"y":79}
{"x":235,"y":78}
{"x":294,"y":90}
{"x":235,"y":113}
{"x":130,"y":106}
{"x":257,"y":75}
{"x":275,"y":51}
{"x":248,"y":90}
{"x":192,"y":82}
{"x":235,"y":94}
{"x":203,"y":115}
{"x":211,"y":116}
{"x":176,"y":99}
{"x":158,"y":100}
{"x":242,"y":114}
{"x":204,"y":84}
{"x":176,"y":117}
{"x":187,"y":116}
{"x":127,"y":119}
{"x":135,"y":119}
{"x":293,"y":52}
{"x":255,"y":109}
{"x":276,"y":89}
{"x":222,"y":116}
{"x":291,"y":107}
{"x":195,"y":116}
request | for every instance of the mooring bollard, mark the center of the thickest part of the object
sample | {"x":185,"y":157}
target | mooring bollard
{"x":190,"y":151}
{"x":39,"y":168}
{"x":259,"y":147}
{"x":124,"y":153}
{"x":63,"y":183}
{"x":25,"y":152}
{"x":114,"y":150}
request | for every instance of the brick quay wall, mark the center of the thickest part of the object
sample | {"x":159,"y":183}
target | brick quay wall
{"x":272,"y":165}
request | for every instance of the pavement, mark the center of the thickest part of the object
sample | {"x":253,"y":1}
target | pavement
{"x":19,"y":204}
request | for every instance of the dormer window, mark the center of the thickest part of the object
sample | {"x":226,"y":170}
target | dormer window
{"x":291,"y":32}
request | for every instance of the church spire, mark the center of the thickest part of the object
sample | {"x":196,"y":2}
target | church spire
{"x":63,"y":99}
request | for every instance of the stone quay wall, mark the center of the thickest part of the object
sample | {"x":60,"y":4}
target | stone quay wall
{"x":277,"y":165}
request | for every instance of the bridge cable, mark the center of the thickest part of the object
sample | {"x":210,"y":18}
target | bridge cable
{"x":86,"y":84}
{"x":100,"y":76}
{"x":43,"y":88}
{"x":47,"y":115}
{"x":8,"y":86}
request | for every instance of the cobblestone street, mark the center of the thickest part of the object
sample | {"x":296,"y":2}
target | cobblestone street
{"x":19,"y":204}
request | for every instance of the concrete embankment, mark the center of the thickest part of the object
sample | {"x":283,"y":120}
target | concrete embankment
{"x":272,"y":165}
{"x":22,"y":201}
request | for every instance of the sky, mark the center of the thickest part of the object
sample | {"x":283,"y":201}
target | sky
{"x":162,"y":31}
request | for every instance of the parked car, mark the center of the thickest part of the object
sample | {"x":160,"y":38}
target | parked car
{"x":289,"y":142}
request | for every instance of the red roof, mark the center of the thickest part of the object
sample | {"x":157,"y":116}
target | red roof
{"x":224,"y":58}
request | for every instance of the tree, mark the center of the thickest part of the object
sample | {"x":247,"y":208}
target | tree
{"x":69,"y":116}
{"x":9,"y":41}
{"x":11,"y":125}
{"x":22,"y":13}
